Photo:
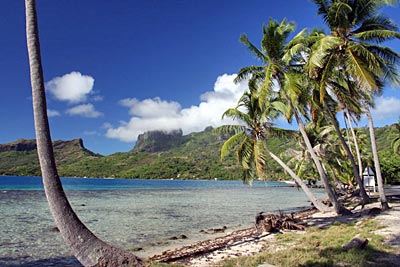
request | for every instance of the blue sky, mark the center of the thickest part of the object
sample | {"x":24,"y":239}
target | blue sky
{"x":114,"y":69}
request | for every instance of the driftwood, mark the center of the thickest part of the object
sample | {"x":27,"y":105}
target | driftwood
{"x":207,"y":246}
{"x":277,"y":222}
{"x":356,"y":243}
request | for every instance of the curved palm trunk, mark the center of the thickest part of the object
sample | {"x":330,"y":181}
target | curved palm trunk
{"x":317,"y":203}
{"x":382,"y":196}
{"x":339,"y":209}
{"x":87,"y":248}
{"x":353,"y":133}
{"x":363,"y":193}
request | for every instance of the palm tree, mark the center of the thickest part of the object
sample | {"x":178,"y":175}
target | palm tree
{"x":87,"y":248}
{"x":250,"y":136}
{"x":353,"y":49}
{"x":277,"y":72}
{"x":329,"y":107}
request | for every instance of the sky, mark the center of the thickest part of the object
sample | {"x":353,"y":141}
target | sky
{"x":115,"y":69}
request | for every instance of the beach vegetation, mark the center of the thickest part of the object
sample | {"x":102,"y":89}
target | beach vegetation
{"x":322,"y":247}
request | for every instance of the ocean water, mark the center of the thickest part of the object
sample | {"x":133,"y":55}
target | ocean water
{"x":142,"y":214}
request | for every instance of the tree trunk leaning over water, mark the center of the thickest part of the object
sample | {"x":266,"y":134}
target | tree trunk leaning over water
{"x":86,"y":247}
{"x":317,"y":203}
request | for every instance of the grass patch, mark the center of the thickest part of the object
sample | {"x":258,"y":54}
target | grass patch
{"x":322,"y":247}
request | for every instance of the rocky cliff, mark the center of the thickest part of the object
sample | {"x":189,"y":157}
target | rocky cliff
{"x":29,"y":145}
{"x":156,"y":141}
{"x":19,"y":145}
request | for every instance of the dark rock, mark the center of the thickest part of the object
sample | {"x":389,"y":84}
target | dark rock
{"x":156,"y":141}
{"x":356,"y":243}
{"x":55,"y":229}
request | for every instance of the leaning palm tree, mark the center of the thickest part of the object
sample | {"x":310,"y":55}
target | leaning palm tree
{"x":87,"y":248}
{"x":250,"y":136}
{"x":353,"y":48}
{"x":276,"y":73}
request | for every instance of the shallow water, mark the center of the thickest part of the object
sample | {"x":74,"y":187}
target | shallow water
{"x":143,"y":214}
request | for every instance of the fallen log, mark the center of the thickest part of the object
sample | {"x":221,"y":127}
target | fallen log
{"x":277,"y":221}
{"x":207,"y":246}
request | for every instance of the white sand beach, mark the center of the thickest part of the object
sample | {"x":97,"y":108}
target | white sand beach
{"x":249,"y":246}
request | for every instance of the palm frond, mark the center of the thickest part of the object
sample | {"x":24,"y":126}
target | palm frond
{"x":236,"y":114}
{"x":252,"y":48}
{"x":247,"y":72}
{"x":230,"y":143}
{"x":245,"y":153}
{"x":358,"y":70}
{"x":378,"y":36}
{"x":259,"y":157}
{"x":321,"y":49}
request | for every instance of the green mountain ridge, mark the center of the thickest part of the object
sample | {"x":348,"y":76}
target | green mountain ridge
{"x":156,"y":155}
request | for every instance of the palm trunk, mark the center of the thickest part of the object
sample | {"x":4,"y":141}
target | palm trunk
{"x":377,"y":164}
{"x":317,"y":203}
{"x":347,"y":130}
{"x":339,"y":209}
{"x":339,"y":183}
{"x":363,"y":193}
{"x":353,"y":133}
{"x":87,"y":248}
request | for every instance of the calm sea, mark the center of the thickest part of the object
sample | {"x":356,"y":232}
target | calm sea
{"x":141,"y":214}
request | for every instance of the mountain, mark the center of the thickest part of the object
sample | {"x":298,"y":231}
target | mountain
{"x":165,"y":155}
{"x":156,"y":155}
{"x":20,"y":157}
{"x":156,"y":141}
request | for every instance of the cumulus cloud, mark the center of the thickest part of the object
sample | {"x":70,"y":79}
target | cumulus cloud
{"x":158,"y":114}
{"x":72,"y":87}
{"x":53,"y":113}
{"x":84,"y":110}
{"x":387,"y":110}
{"x":151,"y":108}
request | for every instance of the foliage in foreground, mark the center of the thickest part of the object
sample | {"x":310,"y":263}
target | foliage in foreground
{"x":323,"y":248}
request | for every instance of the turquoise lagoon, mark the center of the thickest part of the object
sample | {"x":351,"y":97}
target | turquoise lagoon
{"x":141,"y":214}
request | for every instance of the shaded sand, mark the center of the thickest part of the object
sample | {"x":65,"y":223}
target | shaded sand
{"x":250,"y":245}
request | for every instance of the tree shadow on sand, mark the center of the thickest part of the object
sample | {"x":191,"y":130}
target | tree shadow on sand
{"x":70,"y":261}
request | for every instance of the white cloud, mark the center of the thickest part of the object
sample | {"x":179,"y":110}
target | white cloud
{"x":98,"y":98}
{"x":386,"y":111}
{"x":151,"y":108}
{"x":53,"y":113}
{"x":84,"y":110}
{"x":157,"y":114}
{"x":72,"y":87}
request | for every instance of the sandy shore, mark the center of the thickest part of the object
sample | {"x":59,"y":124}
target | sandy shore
{"x":250,"y":245}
